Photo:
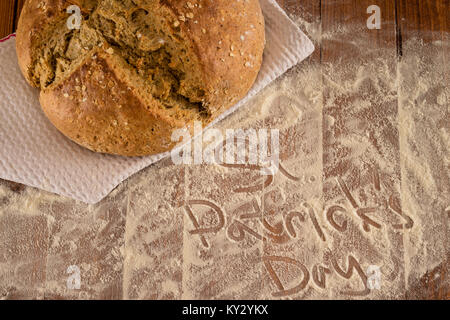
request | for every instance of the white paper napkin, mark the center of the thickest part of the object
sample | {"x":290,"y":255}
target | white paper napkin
{"x":34,"y":153}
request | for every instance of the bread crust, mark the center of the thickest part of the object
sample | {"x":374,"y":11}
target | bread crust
{"x":229,"y":39}
{"x":35,"y":15}
{"x":127,"y":123}
{"x":97,"y":106}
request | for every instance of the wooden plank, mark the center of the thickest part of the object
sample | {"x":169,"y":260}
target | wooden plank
{"x":85,"y":241}
{"x":428,"y":19}
{"x":361,"y":151}
{"x":24,"y":247}
{"x":154,"y":233}
{"x":6,"y":17}
{"x":291,"y":207}
{"x":423,"y":109}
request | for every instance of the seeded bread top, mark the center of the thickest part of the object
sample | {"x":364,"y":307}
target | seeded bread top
{"x":180,"y":60}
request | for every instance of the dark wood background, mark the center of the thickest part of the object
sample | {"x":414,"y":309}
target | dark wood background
{"x":404,"y":19}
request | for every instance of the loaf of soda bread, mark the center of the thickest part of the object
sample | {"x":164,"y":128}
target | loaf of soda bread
{"x":132,"y":71}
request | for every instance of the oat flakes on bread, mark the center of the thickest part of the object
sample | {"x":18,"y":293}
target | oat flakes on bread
{"x":138,"y":69}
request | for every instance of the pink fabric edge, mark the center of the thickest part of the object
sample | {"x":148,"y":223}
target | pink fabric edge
{"x":8,"y":37}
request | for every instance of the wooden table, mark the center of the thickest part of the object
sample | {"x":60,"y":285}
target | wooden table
{"x":36,"y":267}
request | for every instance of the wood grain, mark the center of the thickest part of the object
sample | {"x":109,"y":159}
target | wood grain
{"x":7,"y":16}
{"x":427,"y":18}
